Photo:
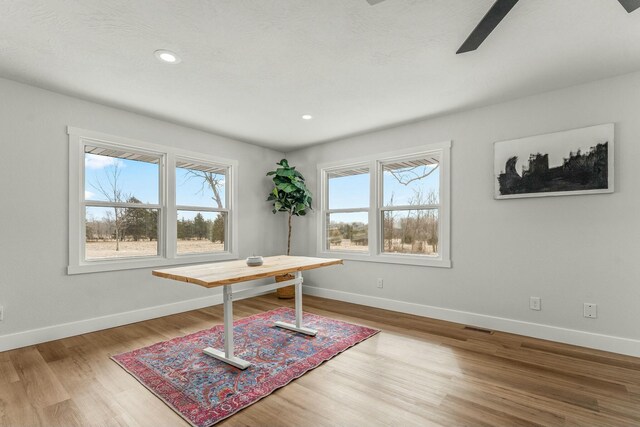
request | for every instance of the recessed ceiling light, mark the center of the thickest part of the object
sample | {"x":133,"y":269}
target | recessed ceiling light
{"x":167,"y":56}
{"x":307,"y":117}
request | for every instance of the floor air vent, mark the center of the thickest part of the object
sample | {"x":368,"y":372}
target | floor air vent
{"x":476,"y":329}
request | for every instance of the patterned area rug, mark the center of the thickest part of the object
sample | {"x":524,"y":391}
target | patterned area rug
{"x":204,"y":390}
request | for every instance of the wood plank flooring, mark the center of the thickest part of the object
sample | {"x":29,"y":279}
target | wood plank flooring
{"x":417,"y":371}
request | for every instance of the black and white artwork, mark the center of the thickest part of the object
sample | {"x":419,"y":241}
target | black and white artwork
{"x":572,"y":162}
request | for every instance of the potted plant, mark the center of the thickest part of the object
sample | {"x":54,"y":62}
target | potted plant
{"x":291,"y":195}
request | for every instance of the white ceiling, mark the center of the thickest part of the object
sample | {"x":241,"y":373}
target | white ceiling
{"x":251,"y":68}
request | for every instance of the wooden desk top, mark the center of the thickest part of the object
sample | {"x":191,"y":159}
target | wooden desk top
{"x":229,"y":272}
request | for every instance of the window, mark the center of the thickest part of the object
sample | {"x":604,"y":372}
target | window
{"x":135,"y":204}
{"x":347,"y":215}
{"x":121,"y":203}
{"x":410,"y":205}
{"x":201,"y":200}
{"x":405,"y":219}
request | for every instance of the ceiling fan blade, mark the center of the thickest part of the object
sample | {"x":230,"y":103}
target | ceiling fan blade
{"x":374,"y":2}
{"x":630,"y":5}
{"x":490,"y":21}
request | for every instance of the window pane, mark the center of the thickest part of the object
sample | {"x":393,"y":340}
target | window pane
{"x":201,"y":232}
{"x":348,"y":231}
{"x":349,"y":189}
{"x":119,"y":176}
{"x":411,"y":182}
{"x":120,"y":232}
{"x":411,"y":232}
{"x":200,"y":185}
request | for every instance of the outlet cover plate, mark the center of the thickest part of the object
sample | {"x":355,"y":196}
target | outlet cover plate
{"x":590,"y":310}
{"x":535,"y":303}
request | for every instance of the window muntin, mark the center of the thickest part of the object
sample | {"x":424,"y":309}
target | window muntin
{"x":408,"y":208}
{"x":145,"y":201}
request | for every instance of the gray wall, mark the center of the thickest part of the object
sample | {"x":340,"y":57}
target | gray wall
{"x":34,"y":287}
{"x":567,"y":250}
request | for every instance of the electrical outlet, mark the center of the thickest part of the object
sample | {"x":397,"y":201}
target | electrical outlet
{"x":380,"y":283}
{"x":590,"y":310}
{"x":535,"y":303}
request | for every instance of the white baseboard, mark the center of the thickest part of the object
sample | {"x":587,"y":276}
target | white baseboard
{"x":610,"y":343}
{"x":570,"y":336}
{"x":64,"y":330}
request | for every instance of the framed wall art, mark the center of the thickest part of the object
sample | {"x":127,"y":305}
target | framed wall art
{"x":573,"y":162}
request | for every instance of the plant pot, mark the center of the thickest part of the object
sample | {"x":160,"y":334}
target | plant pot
{"x":287,"y":292}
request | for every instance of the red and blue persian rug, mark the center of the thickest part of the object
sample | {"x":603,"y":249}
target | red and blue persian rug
{"x":204,"y":390}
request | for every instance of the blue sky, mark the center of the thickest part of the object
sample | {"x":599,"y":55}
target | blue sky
{"x":353,"y":192}
{"x":140,"y":179}
{"x":191,"y":192}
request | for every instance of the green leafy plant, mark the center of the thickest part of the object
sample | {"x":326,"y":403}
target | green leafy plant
{"x":289,"y":194}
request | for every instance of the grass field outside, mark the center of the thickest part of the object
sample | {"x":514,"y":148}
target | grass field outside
{"x":418,"y":248}
{"x":107,"y":249}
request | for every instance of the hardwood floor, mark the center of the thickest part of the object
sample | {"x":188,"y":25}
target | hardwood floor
{"x":417,"y":371}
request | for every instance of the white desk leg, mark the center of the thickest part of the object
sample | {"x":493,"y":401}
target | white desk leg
{"x":298,"y":326}
{"x":227,"y":356}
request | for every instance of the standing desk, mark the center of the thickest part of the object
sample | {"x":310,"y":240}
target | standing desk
{"x":228,"y":273}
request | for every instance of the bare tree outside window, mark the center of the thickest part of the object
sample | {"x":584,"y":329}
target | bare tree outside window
{"x":202,"y":224}
{"x":118,"y":224}
{"x":112,"y":191}
{"x":127,"y":210}
{"x":407,"y":175}
{"x":392,"y":208}
{"x":407,"y":229}
{"x":210,"y":180}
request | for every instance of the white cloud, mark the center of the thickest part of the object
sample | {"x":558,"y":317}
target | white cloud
{"x":88,"y":195}
{"x":92,"y":161}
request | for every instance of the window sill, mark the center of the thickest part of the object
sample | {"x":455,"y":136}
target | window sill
{"x":131,"y":264}
{"x":422,"y":261}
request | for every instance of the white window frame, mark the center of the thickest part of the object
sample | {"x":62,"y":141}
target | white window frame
{"x":375,"y":162}
{"x":167,"y":230}
{"x":326,"y":210}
